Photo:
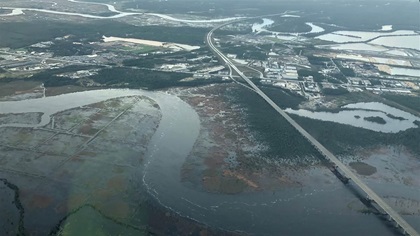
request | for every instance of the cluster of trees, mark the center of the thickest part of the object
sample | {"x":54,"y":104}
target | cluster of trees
{"x":121,"y":77}
{"x":283,"y":98}
{"x":334,"y":92}
{"x":284,"y":141}
{"x":395,"y":117}
{"x":145,"y":62}
{"x":340,"y":77}
{"x":343,"y":139}
{"x":66,"y":48}
{"x":150,"y":61}
{"x":375,"y":82}
{"x":412,"y":102}
{"x":375,"y":119}
{"x":247,"y":51}
{"x":315,"y":74}
{"x":290,"y":25}
{"x":50,"y":78}
{"x":346,"y":71}
{"x":318,"y":61}
{"x":137,"y":78}
{"x":22,"y":34}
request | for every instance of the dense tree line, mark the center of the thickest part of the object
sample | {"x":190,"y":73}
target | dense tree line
{"x":137,"y":78}
{"x":375,"y":119}
{"x":340,"y":77}
{"x":343,"y":139}
{"x":284,"y":141}
{"x":315,"y":74}
{"x":250,"y":52}
{"x":66,"y":48}
{"x":145,"y":62}
{"x":412,"y":102}
{"x":22,"y":34}
{"x":290,"y":25}
{"x":318,"y":61}
{"x":346,"y":71}
{"x":50,"y":78}
{"x":152,"y":60}
{"x":334,"y":92}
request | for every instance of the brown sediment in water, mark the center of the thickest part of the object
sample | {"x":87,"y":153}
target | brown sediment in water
{"x":40,"y":201}
{"x":227,"y":158}
{"x":363,"y":168}
{"x":241,"y":177}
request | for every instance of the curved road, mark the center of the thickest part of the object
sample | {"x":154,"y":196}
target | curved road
{"x":346,"y":172}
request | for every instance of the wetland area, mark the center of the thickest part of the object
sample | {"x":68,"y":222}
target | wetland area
{"x":124,"y":157}
{"x":116,"y":120}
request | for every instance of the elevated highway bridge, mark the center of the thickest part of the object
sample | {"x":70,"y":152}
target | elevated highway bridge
{"x":343,"y":170}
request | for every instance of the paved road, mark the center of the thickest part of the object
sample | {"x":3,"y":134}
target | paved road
{"x":344,"y":170}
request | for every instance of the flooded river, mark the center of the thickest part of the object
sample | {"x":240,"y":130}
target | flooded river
{"x":321,"y":203}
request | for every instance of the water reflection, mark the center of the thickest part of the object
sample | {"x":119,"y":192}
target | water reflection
{"x":355,"y":114}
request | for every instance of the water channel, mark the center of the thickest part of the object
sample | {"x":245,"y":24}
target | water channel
{"x":320,"y":203}
{"x":354,"y":114}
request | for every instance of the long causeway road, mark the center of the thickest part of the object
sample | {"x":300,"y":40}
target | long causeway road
{"x":344,"y":170}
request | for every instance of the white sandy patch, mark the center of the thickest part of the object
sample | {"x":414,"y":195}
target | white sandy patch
{"x":151,"y":43}
{"x":386,"y":28}
{"x":15,"y":12}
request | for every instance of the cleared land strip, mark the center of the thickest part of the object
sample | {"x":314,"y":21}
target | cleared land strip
{"x":327,"y":154}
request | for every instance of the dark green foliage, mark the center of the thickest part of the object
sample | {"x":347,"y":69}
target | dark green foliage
{"x":395,"y":117}
{"x":283,"y":98}
{"x":137,"y":78}
{"x":375,"y":82}
{"x":201,"y":82}
{"x":66,"y":48}
{"x":122,"y":78}
{"x":290,"y":25}
{"x":150,"y":61}
{"x":340,"y":77}
{"x":344,"y":72}
{"x":335,"y":92}
{"x":250,"y":52}
{"x":338,"y":138}
{"x":21,"y":34}
{"x":351,"y":15}
{"x":333,"y":80}
{"x":410,"y":139}
{"x":145,"y":62}
{"x":412,"y":102}
{"x":284,"y":141}
{"x":318,"y":61}
{"x":343,"y":139}
{"x":315,"y":74}
{"x":19,"y":206}
{"x":375,"y":119}
{"x":348,"y":71}
{"x":55,"y":81}
{"x":50,"y":78}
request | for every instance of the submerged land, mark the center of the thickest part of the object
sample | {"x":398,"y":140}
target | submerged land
{"x":116,"y":117}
